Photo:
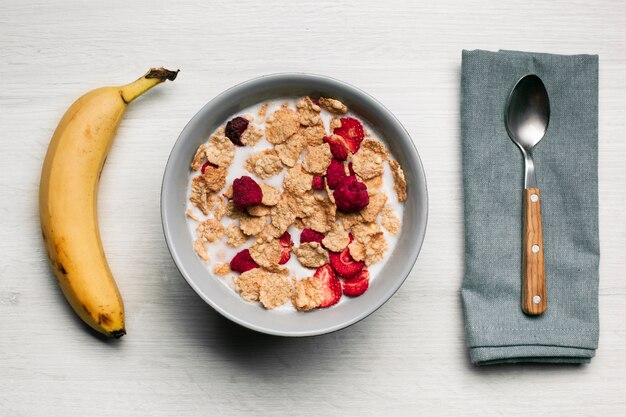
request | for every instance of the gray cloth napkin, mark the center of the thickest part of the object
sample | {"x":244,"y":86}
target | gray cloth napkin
{"x":566,"y":163}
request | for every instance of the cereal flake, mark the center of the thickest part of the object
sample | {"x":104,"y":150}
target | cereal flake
{"x":368,"y":162}
{"x":210,"y":230}
{"x":337,"y":239}
{"x":375,"y":205}
{"x":297,"y":181}
{"x":220,"y":151}
{"x":281,"y":125}
{"x":264,"y":164}
{"x":357,"y":250}
{"x":307,"y":294}
{"x":266,"y":251}
{"x":199,"y":158}
{"x":235,"y":237}
{"x":308,"y":112}
{"x":251,"y":225}
{"x":189,"y":213}
{"x":198,"y":246}
{"x":398,"y":179}
{"x":271,"y":195}
{"x":248,"y":284}
{"x":389,"y":220}
{"x":274,"y":291}
{"x":251,"y":136}
{"x":289,"y":151}
{"x":311,"y":254}
{"x":258,"y":210}
{"x":221,"y":269}
{"x":317,"y":159}
{"x":333,"y":106}
{"x":201,"y":196}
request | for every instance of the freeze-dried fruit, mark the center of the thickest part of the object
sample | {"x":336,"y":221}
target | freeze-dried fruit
{"x":235,"y":128}
{"x":246,"y":192}
{"x":351,"y":195}
{"x":338,"y":146}
{"x":243,"y":262}
{"x":331,"y":286}
{"x":356,"y":286}
{"x":344,"y":264}
{"x":318,"y":183}
{"x":335,"y":173}
{"x":352,"y":131}
{"x":310,"y":235}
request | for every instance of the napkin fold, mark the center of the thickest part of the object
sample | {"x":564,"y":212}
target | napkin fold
{"x":566,"y":164}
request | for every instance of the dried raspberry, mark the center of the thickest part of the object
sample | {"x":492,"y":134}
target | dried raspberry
{"x":235,"y":128}
{"x":351,"y":195}
{"x":331,"y":286}
{"x":350,"y":169}
{"x":337,"y":147}
{"x":356,"y":286}
{"x":206,"y":165}
{"x":344,"y":264}
{"x":318,"y":183}
{"x":352,"y":131}
{"x":243,"y":262}
{"x":286,"y":244}
{"x":246,"y":192}
{"x":335,"y":173}
{"x":310,"y":235}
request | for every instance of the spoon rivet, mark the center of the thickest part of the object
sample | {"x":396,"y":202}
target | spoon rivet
{"x":534,"y":198}
{"x":536,"y":299}
{"x":535,"y":248}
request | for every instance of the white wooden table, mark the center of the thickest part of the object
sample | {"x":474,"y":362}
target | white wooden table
{"x":182,"y":358}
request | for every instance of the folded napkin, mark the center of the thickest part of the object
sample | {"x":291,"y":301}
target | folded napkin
{"x":566,"y":163}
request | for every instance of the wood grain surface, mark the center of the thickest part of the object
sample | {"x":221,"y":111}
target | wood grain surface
{"x":182,"y":358}
{"x":534,"y":299}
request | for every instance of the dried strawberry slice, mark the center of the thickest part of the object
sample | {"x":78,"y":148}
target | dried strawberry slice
{"x":337,"y":147}
{"x":331,"y":286}
{"x":235,"y":128}
{"x":356,"y":286}
{"x":246,"y":192}
{"x":243,"y":262}
{"x":335,"y":173}
{"x":310,"y":235}
{"x":344,"y":264}
{"x":287,"y":244}
{"x":318,"y":183}
{"x":352,"y":131}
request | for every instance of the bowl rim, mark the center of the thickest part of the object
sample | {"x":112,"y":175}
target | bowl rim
{"x":166,"y":226}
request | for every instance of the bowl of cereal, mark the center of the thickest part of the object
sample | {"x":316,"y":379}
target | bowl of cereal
{"x":294,"y":204}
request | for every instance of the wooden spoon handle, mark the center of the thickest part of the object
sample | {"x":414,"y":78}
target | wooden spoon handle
{"x":533,"y":275}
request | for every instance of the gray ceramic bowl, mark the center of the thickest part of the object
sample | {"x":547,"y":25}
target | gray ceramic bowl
{"x":226,"y":301}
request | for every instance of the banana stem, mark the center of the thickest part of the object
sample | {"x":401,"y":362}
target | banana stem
{"x":155,"y":76}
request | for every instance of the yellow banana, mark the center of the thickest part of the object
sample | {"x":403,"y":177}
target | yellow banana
{"x":68,"y":195}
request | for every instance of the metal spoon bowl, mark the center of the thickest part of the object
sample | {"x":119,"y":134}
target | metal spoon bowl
{"x":526,"y":117}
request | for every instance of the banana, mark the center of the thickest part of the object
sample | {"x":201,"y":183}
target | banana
{"x":68,"y":194}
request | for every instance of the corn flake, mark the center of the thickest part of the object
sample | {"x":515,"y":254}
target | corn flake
{"x":368,"y":162}
{"x":221,"y":269}
{"x":251,"y":136}
{"x":309,"y":112}
{"x":199,"y":158}
{"x":203,"y":253}
{"x":271,"y":195}
{"x":210,"y":230}
{"x":376,"y":203}
{"x":289,"y":151}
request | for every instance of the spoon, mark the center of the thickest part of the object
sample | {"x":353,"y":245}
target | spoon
{"x":526,"y":119}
